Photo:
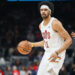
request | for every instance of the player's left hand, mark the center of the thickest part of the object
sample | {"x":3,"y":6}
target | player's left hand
{"x":53,"y":57}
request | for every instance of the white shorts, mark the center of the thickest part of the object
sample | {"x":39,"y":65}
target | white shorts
{"x":48,"y":68}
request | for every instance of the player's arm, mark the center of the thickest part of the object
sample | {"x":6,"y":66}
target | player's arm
{"x":57,"y":26}
{"x":38,"y":44}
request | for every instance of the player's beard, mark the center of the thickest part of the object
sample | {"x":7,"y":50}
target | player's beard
{"x":44,"y":16}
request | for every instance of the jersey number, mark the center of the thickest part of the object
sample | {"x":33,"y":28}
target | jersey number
{"x":46,"y":44}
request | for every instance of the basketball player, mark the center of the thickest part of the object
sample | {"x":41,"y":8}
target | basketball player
{"x":56,"y":41}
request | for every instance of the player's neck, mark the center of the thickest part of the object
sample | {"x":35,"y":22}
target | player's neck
{"x":46,"y":21}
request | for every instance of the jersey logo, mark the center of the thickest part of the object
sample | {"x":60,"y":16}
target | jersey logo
{"x":46,"y":34}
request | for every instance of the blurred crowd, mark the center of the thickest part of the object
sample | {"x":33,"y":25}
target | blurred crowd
{"x":20,"y":21}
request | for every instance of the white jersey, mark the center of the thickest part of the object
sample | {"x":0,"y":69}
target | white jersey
{"x":52,"y":42}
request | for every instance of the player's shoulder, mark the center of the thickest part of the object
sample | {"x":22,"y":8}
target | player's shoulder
{"x":40,"y":25}
{"x":56,"y":22}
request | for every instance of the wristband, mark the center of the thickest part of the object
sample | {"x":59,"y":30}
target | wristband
{"x":32,"y":45}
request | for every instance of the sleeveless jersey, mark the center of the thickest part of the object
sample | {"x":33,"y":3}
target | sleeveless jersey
{"x":52,"y":40}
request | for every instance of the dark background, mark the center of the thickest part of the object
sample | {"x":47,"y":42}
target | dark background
{"x":19,"y":21}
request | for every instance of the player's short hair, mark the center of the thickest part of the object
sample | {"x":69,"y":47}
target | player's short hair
{"x":49,"y":4}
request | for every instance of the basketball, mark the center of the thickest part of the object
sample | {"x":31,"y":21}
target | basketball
{"x":24,"y":47}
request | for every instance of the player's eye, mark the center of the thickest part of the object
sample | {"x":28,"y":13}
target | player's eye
{"x":41,"y":9}
{"x":45,"y":9}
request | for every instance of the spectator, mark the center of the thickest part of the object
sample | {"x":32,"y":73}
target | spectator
{"x":2,"y":61}
{"x":34,"y":68}
{"x":73,"y":70}
{"x":23,"y":71}
{"x":1,"y":72}
{"x":63,"y":70}
{"x":8,"y":71}
{"x":39,"y":56}
{"x":29,"y":70}
{"x":15,"y":71}
{"x":73,"y":35}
